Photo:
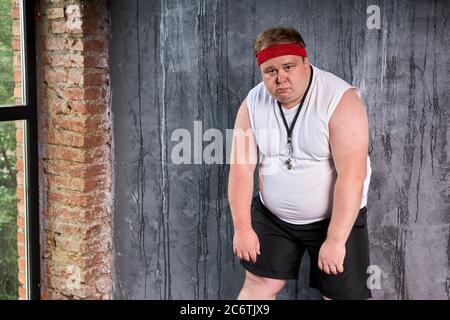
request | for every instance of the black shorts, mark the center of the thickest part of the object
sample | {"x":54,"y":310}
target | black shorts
{"x":283,"y":244}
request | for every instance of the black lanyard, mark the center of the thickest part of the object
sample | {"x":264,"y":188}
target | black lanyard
{"x":290,"y":129}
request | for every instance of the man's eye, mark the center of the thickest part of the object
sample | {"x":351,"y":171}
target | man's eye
{"x":288,"y":68}
{"x":273,"y":71}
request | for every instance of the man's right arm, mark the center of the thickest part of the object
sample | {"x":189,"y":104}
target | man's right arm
{"x":240,"y":186}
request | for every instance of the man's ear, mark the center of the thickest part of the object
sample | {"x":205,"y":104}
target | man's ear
{"x":306,"y":61}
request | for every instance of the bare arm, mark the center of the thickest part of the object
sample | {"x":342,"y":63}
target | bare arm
{"x":349,"y":139}
{"x":240,"y":186}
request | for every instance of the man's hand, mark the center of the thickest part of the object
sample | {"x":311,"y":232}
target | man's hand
{"x":331,"y":257}
{"x":246,"y":244}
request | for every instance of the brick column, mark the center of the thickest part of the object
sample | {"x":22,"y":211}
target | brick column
{"x":75,"y":149}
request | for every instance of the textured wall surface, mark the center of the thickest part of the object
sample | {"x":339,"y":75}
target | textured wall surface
{"x":75,"y":170}
{"x":173,"y":63}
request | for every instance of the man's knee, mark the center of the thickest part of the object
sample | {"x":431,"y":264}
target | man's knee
{"x":269,"y":285}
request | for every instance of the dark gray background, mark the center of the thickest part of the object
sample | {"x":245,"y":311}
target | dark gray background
{"x":176,"y":62}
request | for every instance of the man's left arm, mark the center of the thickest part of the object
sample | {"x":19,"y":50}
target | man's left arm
{"x":349,"y":140}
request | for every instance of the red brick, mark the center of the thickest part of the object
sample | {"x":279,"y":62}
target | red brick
{"x":92,"y":10}
{"x":95,"y":139}
{"x":80,"y":215}
{"x":22,"y":293}
{"x":22,"y":278}
{"x":78,"y":124}
{"x":18,"y":92}
{"x":16,"y":43}
{"x":75,"y":184}
{"x":19,"y":136}
{"x":16,"y":28}
{"x":67,"y":60}
{"x":46,"y":295}
{"x":76,"y":139}
{"x":74,"y":44}
{"x":16,"y":59}
{"x":54,"y":43}
{"x":54,"y":13}
{"x":20,"y":221}
{"x":19,"y":151}
{"x":19,"y":165}
{"x":20,"y":207}
{"x":20,"y":237}
{"x":55,"y":75}
{"x":86,"y":108}
{"x":91,"y":26}
{"x":66,"y":153}
{"x":63,"y":137}
{"x":74,"y":93}
{"x":94,"y":93}
{"x":20,"y":193}
{"x":80,"y":292}
{"x":72,"y":243}
{"x":19,"y":178}
{"x":90,"y":185}
{"x":16,"y":13}
{"x":76,"y":76}
{"x":50,"y":92}
{"x":98,"y":153}
{"x":62,"y":212}
{"x":56,"y":106}
{"x":102,"y":123}
{"x":67,"y":228}
{"x":57,"y":27}
{"x":45,"y":58}
{"x":73,"y":168}
{"x":94,"y":78}
{"x":87,"y":261}
{"x":21,"y":250}
{"x":22,"y":263}
{"x":71,"y":199}
{"x":17,"y":75}
{"x":96,"y":61}
{"x":95,"y":45}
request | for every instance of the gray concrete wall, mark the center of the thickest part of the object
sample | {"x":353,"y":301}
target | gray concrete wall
{"x":176,"y":62}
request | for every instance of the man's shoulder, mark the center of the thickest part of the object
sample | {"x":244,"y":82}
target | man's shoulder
{"x":330,"y":79}
{"x":257,"y":93}
{"x":258,"y":88}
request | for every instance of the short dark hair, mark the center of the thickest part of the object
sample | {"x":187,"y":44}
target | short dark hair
{"x":277,"y":35}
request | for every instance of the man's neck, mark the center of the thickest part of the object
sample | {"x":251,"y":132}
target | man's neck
{"x":292,"y":104}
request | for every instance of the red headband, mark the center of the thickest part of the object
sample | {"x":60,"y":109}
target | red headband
{"x":280,"y":50}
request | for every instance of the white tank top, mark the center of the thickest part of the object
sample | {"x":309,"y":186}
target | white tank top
{"x":305,"y":193}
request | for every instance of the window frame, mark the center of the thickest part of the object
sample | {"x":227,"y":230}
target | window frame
{"x":28,"y":112}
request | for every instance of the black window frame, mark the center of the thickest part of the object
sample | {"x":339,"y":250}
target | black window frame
{"x":28,"y":112}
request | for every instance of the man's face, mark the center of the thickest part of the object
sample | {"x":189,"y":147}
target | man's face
{"x":286,"y":78}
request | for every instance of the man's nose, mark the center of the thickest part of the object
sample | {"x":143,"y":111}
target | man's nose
{"x":281,"y":76}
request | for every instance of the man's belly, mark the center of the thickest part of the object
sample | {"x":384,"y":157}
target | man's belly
{"x":301,"y":195}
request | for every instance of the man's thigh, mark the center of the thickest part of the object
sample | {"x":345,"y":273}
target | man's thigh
{"x":352,"y":283}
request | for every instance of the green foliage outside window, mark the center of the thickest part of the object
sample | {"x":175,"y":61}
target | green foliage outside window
{"x":8,"y":199}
